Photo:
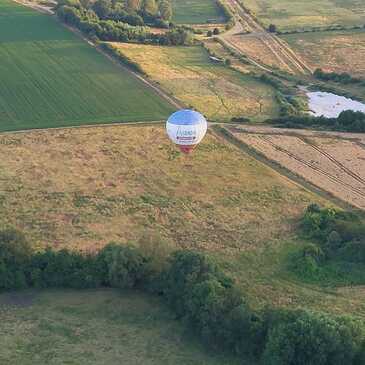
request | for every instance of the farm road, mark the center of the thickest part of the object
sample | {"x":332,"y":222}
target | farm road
{"x":279,"y":49}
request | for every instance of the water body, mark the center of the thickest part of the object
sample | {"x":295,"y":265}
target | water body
{"x":331,"y":105}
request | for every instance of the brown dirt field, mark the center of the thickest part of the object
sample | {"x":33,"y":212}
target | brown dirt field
{"x":82,"y":188}
{"x":332,"y":51}
{"x":334,"y":163}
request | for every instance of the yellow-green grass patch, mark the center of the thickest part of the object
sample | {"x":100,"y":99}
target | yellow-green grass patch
{"x":196,"y":11}
{"x":336,"y":51}
{"x":217,"y":91}
{"x":294,"y":14}
{"x":96,"y":327}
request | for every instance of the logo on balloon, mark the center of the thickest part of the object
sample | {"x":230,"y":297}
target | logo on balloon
{"x":186,"y":128}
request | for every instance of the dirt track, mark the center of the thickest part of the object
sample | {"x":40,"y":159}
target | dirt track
{"x":334,"y":162}
{"x":283,"y":56}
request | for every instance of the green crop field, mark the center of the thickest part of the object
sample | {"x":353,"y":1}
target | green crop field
{"x":196,"y":11}
{"x":50,"y":78}
{"x":292,"y":14}
{"x":95,"y":327}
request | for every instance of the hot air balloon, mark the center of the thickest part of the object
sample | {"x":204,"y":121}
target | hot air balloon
{"x":186,"y":128}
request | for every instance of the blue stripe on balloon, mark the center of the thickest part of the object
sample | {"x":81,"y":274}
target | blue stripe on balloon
{"x":186,"y":117}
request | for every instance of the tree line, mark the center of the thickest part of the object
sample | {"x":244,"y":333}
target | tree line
{"x":343,"y":78}
{"x":347,"y":121}
{"x":198,"y":291}
{"x":110,"y":21}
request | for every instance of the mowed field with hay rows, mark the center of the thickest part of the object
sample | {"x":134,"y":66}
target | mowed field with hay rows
{"x":93,"y":327}
{"x":214,"y":89}
{"x":294,"y":14}
{"x":50,"y":78}
{"x":196,"y":12}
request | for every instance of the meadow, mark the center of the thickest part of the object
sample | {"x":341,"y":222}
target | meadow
{"x":196,"y":12}
{"x":84,"y":188}
{"x":289,"y":14}
{"x":95,"y":327}
{"x":214,"y":89}
{"x":52,"y":78}
{"x":336,"y":51}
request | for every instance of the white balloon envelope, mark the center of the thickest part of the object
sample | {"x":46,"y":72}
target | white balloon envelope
{"x":186,"y":128}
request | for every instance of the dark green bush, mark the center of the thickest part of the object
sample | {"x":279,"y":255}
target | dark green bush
{"x":309,"y":338}
{"x":306,"y":262}
{"x":124,"y":266}
{"x":198,"y":291}
{"x":63,"y":269}
{"x":15,"y":254}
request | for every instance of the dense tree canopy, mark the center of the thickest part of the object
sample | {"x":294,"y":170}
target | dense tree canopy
{"x":113,"y":21}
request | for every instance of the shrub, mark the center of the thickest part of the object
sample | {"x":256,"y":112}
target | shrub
{"x":186,"y":270}
{"x":240,"y":120}
{"x":15,"y":253}
{"x":63,"y":269}
{"x":334,"y":242}
{"x":308,"y":338}
{"x":123,"y":266}
{"x":216,"y":31}
{"x":306,"y":261}
{"x":272,"y":28}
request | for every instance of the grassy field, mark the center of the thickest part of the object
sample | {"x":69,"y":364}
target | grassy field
{"x":83,"y":188}
{"x":196,"y":11}
{"x":338,"y":51}
{"x":51,"y":78}
{"x":214,"y":89}
{"x":95,"y":327}
{"x":293,"y":14}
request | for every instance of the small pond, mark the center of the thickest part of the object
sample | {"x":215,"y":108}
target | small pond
{"x":331,"y":105}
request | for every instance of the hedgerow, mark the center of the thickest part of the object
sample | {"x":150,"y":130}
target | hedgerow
{"x":199,"y":292}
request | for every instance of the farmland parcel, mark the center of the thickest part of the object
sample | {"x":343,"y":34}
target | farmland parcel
{"x":50,"y":78}
{"x":196,"y":11}
{"x":292,"y":14}
{"x":212,"y":88}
